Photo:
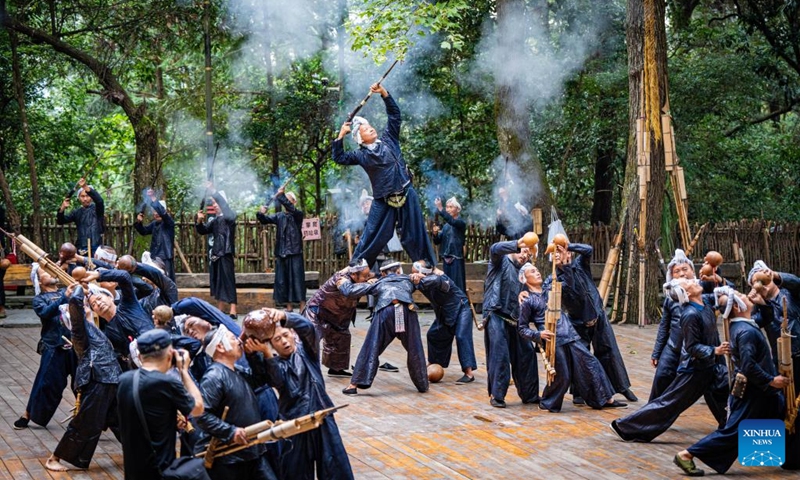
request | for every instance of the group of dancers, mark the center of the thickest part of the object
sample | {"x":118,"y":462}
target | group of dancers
{"x":121,"y":314}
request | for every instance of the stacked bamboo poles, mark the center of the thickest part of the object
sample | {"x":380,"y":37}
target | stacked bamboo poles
{"x":551,"y":320}
{"x":643,"y":154}
{"x":41,"y":257}
{"x":786,"y":369}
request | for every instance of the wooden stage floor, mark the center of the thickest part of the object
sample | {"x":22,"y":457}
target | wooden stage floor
{"x":391,"y":431}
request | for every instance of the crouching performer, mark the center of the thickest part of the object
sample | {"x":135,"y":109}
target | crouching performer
{"x":294,"y":369}
{"x":96,"y":381}
{"x":755,"y":394}
{"x":574,"y":364}
{"x":395,"y":317}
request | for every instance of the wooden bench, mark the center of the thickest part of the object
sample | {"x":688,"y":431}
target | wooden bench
{"x":243,"y":280}
{"x":18,"y":275}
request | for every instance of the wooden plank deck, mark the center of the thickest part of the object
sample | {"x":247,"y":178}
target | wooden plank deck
{"x":393,"y":432}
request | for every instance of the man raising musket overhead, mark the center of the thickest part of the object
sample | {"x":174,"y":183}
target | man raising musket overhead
{"x":396,"y":201}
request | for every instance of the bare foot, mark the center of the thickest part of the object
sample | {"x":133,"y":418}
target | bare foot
{"x":54,"y":464}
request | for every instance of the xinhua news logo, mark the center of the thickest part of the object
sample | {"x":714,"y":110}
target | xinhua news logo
{"x":762,"y":443}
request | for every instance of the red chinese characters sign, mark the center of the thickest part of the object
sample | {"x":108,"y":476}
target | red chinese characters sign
{"x":311,"y":230}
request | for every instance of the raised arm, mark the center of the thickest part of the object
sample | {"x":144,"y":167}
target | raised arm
{"x":692,"y":328}
{"x":197,"y":307}
{"x":99,"y":204}
{"x":500,"y":249}
{"x":77,"y":317}
{"x":305,"y":330}
{"x":395,"y":119}
{"x":144,"y":229}
{"x":532,"y":310}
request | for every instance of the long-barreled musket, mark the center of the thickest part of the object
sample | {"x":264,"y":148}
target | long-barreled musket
{"x":41,"y":257}
{"x":611,"y":263}
{"x":694,"y":240}
{"x":726,"y":336}
{"x":366,"y":99}
{"x":786,"y":369}
{"x":267,"y":431}
{"x":86,"y":171}
{"x":551,"y":320}
{"x":479,"y":325}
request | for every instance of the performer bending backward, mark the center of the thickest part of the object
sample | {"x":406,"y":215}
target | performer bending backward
{"x":96,"y":380}
{"x":222,"y":386}
{"x":504,"y":347}
{"x":396,"y":201}
{"x":290,"y":276}
{"x":667,"y":349}
{"x":294,"y":369}
{"x":581,"y":300}
{"x":88,"y":218}
{"x":331,"y":313}
{"x":162,"y":229}
{"x":395,"y":317}
{"x":575,"y":364}
{"x":696,"y":374}
{"x":451,"y":239}
{"x":453,"y":319}
{"x":58,"y":359}
{"x":760,"y":399}
{"x":221,"y":231}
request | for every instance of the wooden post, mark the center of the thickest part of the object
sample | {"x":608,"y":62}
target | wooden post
{"x":183,"y":259}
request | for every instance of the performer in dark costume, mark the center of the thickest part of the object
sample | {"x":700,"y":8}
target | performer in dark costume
{"x":761,"y":398}
{"x":453,"y":320}
{"x":221,"y":231}
{"x":396,"y":202}
{"x":575,"y":364}
{"x":88,"y":217}
{"x":294,"y":369}
{"x":290,"y":276}
{"x":667,"y":349}
{"x":331,"y":313}
{"x":395,"y":317}
{"x":513,"y":220}
{"x":58,"y":360}
{"x":696,"y":373}
{"x":451,"y":238}
{"x":222,"y":386}
{"x":96,"y":381}
{"x":582,"y":303}
{"x":127,"y":320}
{"x":504,"y":346}
{"x":162,"y":229}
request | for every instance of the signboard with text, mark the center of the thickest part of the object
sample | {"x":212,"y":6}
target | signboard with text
{"x":311,"y":230}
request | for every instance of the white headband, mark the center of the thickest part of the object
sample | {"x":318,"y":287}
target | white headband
{"x":676,"y":292}
{"x":147,"y":259}
{"x":758,"y":266}
{"x":452,"y":201}
{"x":103,"y":254}
{"x":732,"y":297}
{"x":291,"y":196}
{"x":364,"y":197}
{"x":679,"y":258}
{"x":389,"y":266}
{"x":95,"y":289}
{"x":356,"y":128}
{"x":418,"y":266}
{"x":220,"y":335}
{"x":522,"y":270}
{"x":359,"y":267}
{"x":35,"y":278}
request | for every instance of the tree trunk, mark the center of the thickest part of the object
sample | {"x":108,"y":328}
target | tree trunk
{"x":635,"y":32}
{"x":14,"y":220}
{"x":145,"y":131}
{"x":19,"y":92}
{"x":603,"y":185}
{"x":513,"y":126}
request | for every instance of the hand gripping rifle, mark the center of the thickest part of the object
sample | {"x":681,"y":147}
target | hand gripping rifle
{"x":268,"y":432}
{"x":551,"y":320}
{"x":786,"y":369}
{"x":366,"y":99}
{"x":86,"y":172}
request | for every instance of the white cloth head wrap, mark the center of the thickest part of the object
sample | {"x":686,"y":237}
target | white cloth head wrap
{"x":679,"y":258}
{"x":758,"y":266}
{"x":452,"y":201}
{"x":220,"y":335}
{"x":390,"y":266}
{"x":364,"y":197}
{"x":356,"y":128}
{"x":103,"y":254}
{"x":95,"y":289}
{"x":147,"y":259}
{"x":521,"y":209}
{"x":35,"y":278}
{"x":676,"y":292}
{"x":522,"y":270}
{"x":291,"y":196}
{"x":362,"y":264}
{"x":421,"y":268}
{"x":732,"y":297}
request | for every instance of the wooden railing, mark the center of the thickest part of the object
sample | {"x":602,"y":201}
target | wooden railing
{"x":775,"y":243}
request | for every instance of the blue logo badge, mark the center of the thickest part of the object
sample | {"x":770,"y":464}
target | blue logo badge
{"x":762,"y":443}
